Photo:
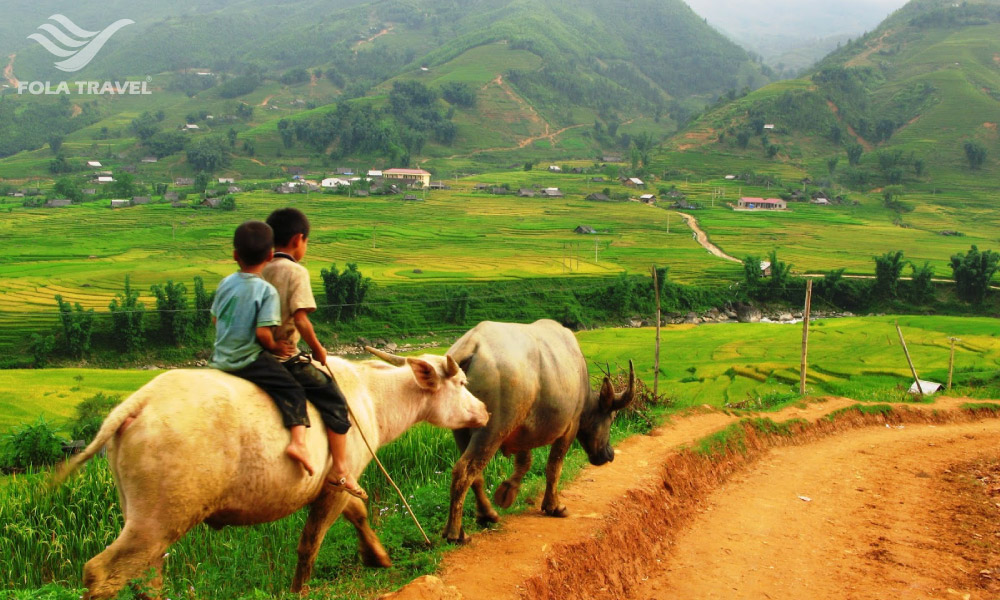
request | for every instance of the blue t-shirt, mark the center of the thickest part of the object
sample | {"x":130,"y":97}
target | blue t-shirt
{"x":243,"y":302}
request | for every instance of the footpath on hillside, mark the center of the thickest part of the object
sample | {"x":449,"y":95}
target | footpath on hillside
{"x":860,"y":505}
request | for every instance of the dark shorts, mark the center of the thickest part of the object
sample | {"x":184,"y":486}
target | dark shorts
{"x":269,"y":374}
{"x":322,"y":391}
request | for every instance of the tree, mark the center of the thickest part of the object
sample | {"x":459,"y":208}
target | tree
{"x":836,"y":134}
{"x":921,"y":283}
{"x":202,"y":304}
{"x":128,"y":319}
{"x":41,"y":347}
{"x":854,"y":152}
{"x":742,"y":139}
{"x":208,"y":154}
{"x":345,"y":292}
{"x":831,"y":164}
{"x":67,"y":188}
{"x":973,"y":273}
{"x":888,"y":269}
{"x":975,"y":153}
{"x":78,"y":324}
{"x":172,"y":307}
{"x":123,"y":186}
{"x":201,"y":181}
{"x":165,"y":143}
{"x":145,"y":126}
{"x":231,"y":135}
{"x":55,"y":143}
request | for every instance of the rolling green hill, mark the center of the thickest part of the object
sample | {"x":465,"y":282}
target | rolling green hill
{"x":547,"y":71}
{"x":908,"y":98}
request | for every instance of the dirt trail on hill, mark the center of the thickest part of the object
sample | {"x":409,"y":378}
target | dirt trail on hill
{"x":862,"y":506}
{"x":8,"y":72}
{"x":533,"y":116}
{"x":702,"y":238}
{"x":850,"y":130}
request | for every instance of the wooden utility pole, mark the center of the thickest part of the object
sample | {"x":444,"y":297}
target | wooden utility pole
{"x":805,"y":337}
{"x":951,"y":361}
{"x":920,"y":389}
{"x":656,"y":357}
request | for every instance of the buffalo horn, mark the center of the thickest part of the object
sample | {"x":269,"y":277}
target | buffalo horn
{"x":392,"y":359}
{"x":451,"y":367}
{"x":624,"y":398}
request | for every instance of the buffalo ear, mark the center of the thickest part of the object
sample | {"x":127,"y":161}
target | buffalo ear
{"x":425,"y":373}
{"x":607,"y":395}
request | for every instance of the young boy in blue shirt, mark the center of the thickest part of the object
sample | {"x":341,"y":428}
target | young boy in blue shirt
{"x":245,"y":311}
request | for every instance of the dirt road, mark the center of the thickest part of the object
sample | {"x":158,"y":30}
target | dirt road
{"x":846,"y":508}
{"x":8,"y":72}
{"x":870,"y":514}
{"x":702,"y":238}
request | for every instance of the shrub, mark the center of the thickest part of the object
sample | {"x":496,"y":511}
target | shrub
{"x":202,"y":304}
{"x":172,"y":306}
{"x":345,"y":292}
{"x":41,"y":349}
{"x":888,"y":268}
{"x":973,"y":273}
{"x":90,"y":414}
{"x":31,"y":445}
{"x":128,"y":319}
{"x":78,"y":324}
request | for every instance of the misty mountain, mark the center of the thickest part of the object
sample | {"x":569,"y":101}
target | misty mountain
{"x":793,"y":34}
{"x":914,"y":94}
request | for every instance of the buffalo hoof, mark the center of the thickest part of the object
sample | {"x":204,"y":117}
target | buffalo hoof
{"x":377,"y":560}
{"x":460,"y":540}
{"x":559,"y":511}
{"x":484,"y":519}
{"x":506,"y":494}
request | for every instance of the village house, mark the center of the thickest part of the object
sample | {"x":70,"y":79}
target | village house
{"x":121,"y":203}
{"x":190,"y":127}
{"x":761,"y":204}
{"x":438,"y":185}
{"x":374,"y":173}
{"x":480,"y":187}
{"x":409,"y":176}
{"x":105,"y":179}
{"x":599,"y":197}
{"x":634,"y":182}
{"x":552,"y":193}
{"x":286,"y":188}
{"x":555,"y":169}
{"x":526,"y":193}
{"x":648,"y":198}
{"x":768,"y":126}
{"x":58,"y":202}
{"x":95,"y":164}
{"x":295,"y":171}
{"x":89,"y":191}
{"x":137,"y":200}
{"x":212,"y":202}
{"x":411,"y":198}
{"x":171,"y":196}
{"x":229,"y":180}
{"x":334,"y":182}
{"x":149,"y":159}
{"x":344,"y":171}
{"x":597,"y":180}
{"x":501,"y":191}
{"x":234,"y":189}
{"x":585,"y":229}
{"x":183,"y":181}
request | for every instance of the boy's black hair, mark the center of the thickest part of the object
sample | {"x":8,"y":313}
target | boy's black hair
{"x":253,"y":242}
{"x":286,"y":223}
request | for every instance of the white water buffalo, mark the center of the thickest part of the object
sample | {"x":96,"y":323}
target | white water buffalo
{"x":201,"y":445}
{"x":533,"y":380}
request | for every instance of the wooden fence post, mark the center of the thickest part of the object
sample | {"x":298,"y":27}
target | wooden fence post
{"x":805,"y":337}
{"x":920,"y":389}
{"x":656,"y":358}
{"x":951,"y":361}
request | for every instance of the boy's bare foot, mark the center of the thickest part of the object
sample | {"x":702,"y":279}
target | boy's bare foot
{"x":300,"y":453}
{"x":347,"y":484}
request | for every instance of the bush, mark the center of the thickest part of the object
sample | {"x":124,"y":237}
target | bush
{"x":175,"y":317}
{"x":973,"y":273}
{"x":41,"y":349}
{"x":345,"y":292}
{"x":128,"y":319}
{"x":32,"y":445}
{"x":90,"y":414}
{"x":77,"y":324}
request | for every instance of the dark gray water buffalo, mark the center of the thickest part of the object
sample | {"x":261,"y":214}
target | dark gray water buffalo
{"x":533,"y":380}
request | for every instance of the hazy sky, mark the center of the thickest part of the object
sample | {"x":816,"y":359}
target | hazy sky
{"x":810,"y":18}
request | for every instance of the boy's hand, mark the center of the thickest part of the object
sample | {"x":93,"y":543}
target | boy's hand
{"x":319,"y":354}
{"x":285,"y":349}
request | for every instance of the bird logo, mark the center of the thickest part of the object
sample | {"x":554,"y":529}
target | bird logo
{"x":74,"y":44}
